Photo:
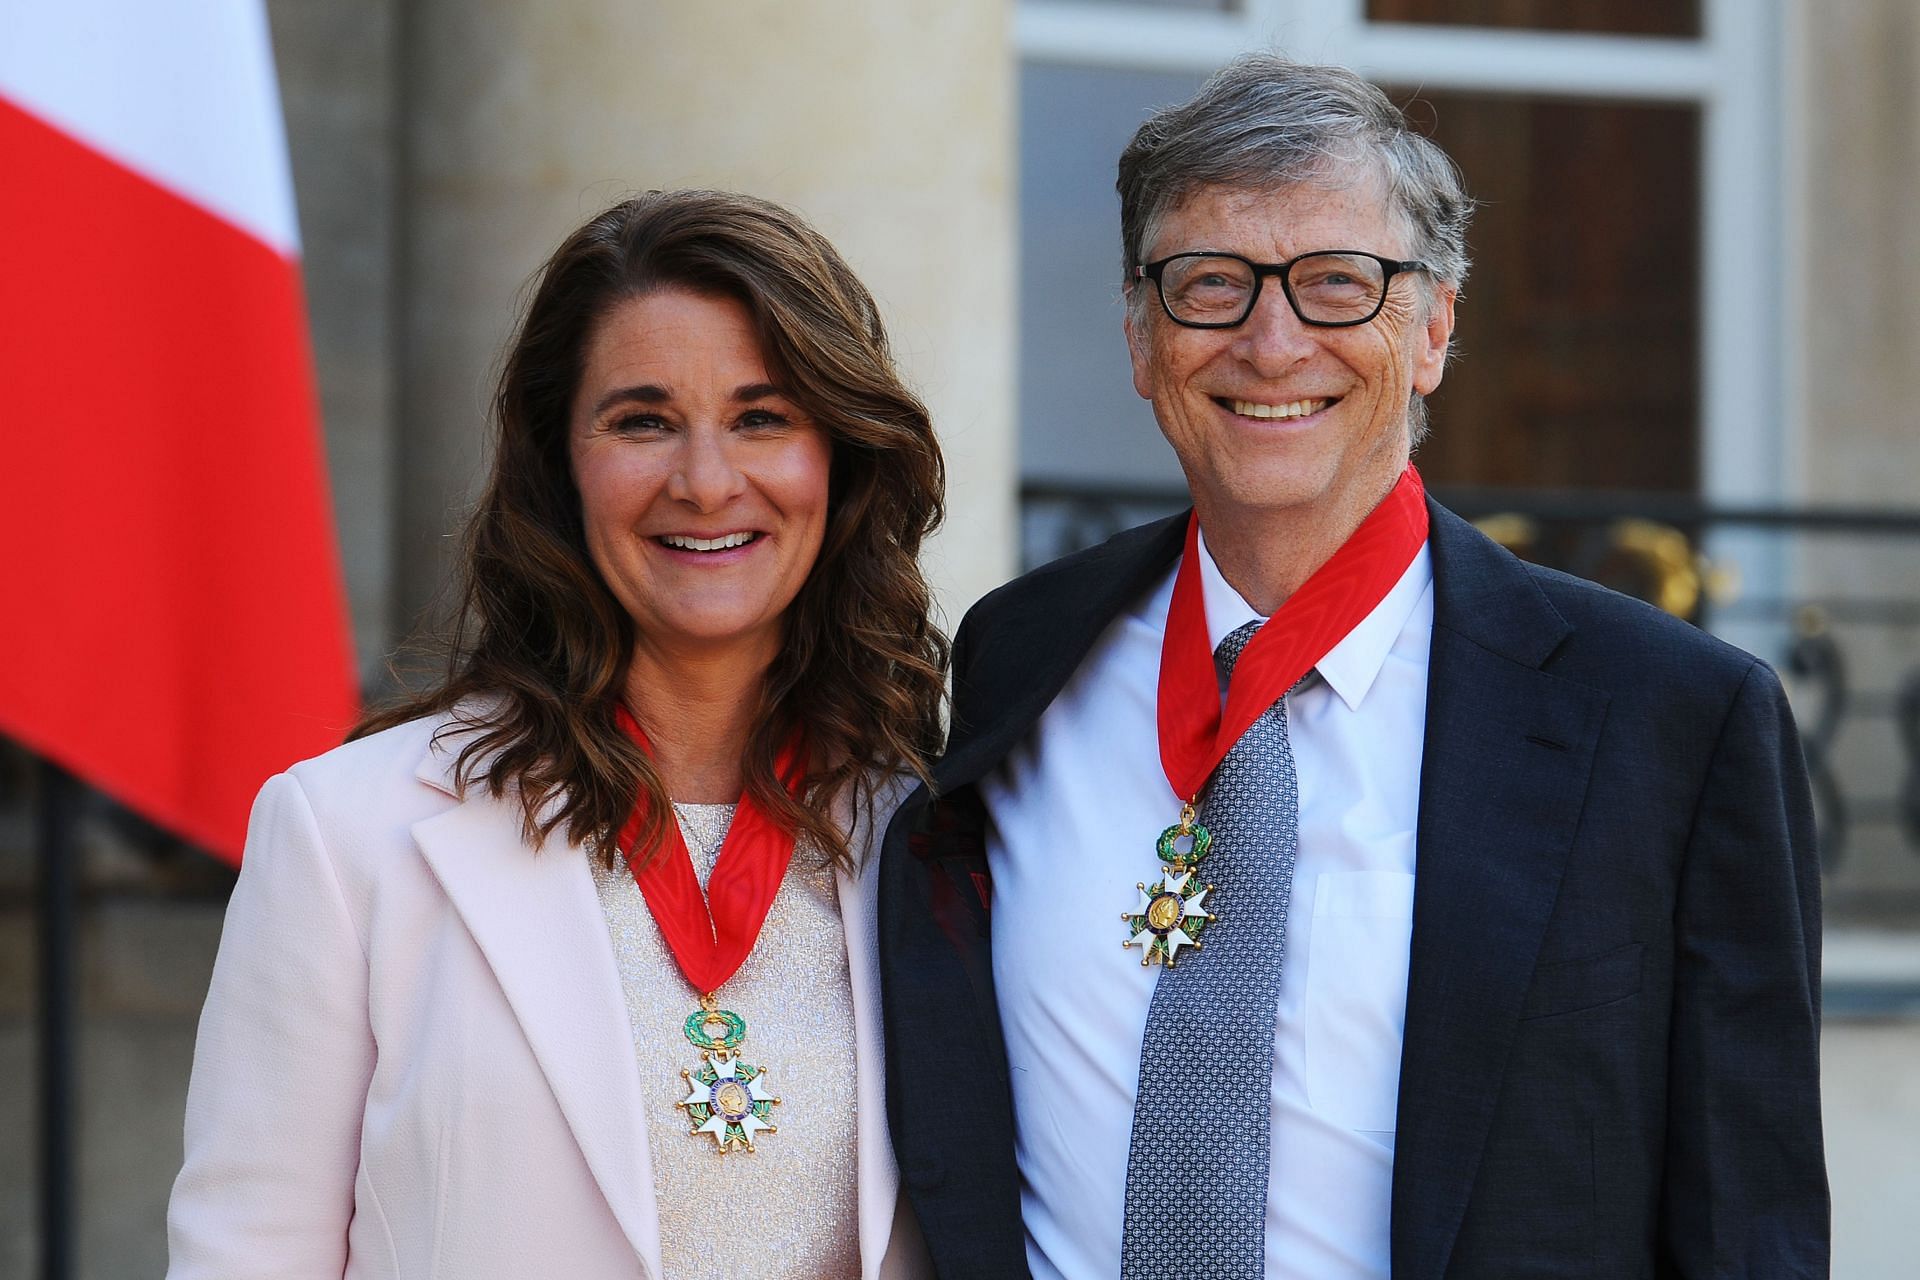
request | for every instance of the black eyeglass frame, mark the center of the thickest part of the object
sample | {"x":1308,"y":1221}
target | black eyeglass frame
{"x":1390,"y":267}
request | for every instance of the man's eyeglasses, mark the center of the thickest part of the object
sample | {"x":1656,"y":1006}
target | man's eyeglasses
{"x":1331,"y":288}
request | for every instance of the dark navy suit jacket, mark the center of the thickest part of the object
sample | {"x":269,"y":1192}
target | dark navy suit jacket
{"x":1611,"y":1051}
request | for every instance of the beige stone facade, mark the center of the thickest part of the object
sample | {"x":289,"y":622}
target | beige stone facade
{"x":1857,"y":126}
{"x":1853,"y":131}
{"x":1853,"y":138}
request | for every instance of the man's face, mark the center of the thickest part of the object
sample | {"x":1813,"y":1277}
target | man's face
{"x":1277,"y":415}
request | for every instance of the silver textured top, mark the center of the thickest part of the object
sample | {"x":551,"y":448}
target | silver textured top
{"x":791,"y":1206}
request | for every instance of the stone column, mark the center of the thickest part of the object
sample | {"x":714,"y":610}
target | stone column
{"x":1858,"y":144}
{"x":888,"y":123}
{"x":1854,"y":143}
{"x":336,"y":65}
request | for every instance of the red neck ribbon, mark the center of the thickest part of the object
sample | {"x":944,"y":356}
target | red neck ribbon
{"x":1195,"y":734}
{"x":711,"y":934}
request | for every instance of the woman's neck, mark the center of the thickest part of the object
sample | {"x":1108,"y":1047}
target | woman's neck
{"x":697,"y":710}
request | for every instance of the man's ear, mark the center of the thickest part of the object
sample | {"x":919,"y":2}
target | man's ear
{"x":1133,"y":324}
{"x":1435,"y":339}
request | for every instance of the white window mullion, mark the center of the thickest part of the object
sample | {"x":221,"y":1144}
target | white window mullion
{"x":1129,"y":36}
{"x":1311,"y":30}
{"x":1543,"y":62}
{"x":1465,"y":58}
{"x":1743,"y":415}
{"x":1743,"y":449}
{"x":1795,"y":115}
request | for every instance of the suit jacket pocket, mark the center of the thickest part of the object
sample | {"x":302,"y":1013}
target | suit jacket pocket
{"x":1568,"y":986}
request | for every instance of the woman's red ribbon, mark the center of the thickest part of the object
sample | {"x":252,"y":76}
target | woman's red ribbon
{"x":1195,"y":734}
{"x":712,"y":934}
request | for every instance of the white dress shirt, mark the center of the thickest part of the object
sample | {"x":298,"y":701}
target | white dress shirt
{"x":1076,"y":808}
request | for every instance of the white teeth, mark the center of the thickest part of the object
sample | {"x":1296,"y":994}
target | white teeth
{"x":1293,"y":409}
{"x":721,"y":543}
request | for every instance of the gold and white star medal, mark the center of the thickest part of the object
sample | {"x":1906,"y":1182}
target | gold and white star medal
{"x":1172,"y":913}
{"x":727,"y":1098}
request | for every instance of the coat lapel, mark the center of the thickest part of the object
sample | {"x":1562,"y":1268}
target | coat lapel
{"x":1503,"y":781}
{"x":878,"y":1176}
{"x":538,"y":921}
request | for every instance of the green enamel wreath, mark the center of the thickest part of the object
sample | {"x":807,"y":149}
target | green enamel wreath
{"x":1202,"y":843}
{"x":697,"y":1029}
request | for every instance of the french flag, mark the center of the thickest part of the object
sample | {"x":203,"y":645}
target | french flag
{"x":173,"y":623}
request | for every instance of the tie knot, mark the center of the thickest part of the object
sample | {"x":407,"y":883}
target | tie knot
{"x":1230,"y":649}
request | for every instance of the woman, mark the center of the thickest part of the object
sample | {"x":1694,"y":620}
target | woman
{"x":473,"y":1014}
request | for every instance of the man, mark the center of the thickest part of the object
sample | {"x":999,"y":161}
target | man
{"x":1461,"y":920}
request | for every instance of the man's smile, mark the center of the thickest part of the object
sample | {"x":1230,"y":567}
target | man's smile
{"x":1284,"y":409}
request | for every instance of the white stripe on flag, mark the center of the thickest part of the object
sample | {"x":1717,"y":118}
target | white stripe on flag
{"x":180,"y":91}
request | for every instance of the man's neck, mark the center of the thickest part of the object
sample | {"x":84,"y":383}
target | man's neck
{"x":1265,"y":554}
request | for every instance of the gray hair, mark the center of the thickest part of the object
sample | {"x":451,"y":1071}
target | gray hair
{"x":1264,"y":122}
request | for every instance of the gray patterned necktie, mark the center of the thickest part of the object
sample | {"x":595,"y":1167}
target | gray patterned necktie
{"x":1197,"y":1166}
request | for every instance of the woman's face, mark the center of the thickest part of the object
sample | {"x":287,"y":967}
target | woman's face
{"x":702,"y":486}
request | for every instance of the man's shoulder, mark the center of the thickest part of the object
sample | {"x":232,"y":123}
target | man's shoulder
{"x":1066,"y":581}
{"x":1654,"y":668}
{"x":1484,"y":591}
{"x":1627,"y":639}
{"x":1610,"y":613}
{"x":1021,"y":643}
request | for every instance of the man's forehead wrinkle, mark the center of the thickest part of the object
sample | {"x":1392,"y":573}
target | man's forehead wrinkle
{"x":1338,"y":179}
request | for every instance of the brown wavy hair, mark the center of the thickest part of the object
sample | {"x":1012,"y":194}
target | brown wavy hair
{"x":539,"y":648}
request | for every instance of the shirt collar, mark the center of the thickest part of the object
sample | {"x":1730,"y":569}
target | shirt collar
{"x":1351,"y":666}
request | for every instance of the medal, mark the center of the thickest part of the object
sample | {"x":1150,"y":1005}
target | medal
{"x":726,"y":1098}
{"x":710,"y":935}
{"x":1196,"y":732}
{"x":1173,"y":913}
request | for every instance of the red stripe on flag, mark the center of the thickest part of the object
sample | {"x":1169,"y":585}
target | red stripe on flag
{"x":173,"y":624}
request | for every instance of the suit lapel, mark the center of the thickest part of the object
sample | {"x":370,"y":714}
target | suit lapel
{"x":1503,"y":780}
{"x":538,"y":921}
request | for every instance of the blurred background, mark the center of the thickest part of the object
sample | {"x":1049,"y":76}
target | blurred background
{"x":1684,"y":366}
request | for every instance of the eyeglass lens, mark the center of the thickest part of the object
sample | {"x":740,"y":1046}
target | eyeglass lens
{"x":1331,"y":288}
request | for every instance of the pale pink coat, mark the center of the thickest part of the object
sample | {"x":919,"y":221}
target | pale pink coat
{"x":415,"y":1058}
